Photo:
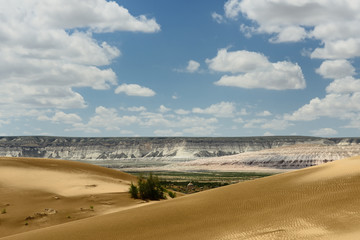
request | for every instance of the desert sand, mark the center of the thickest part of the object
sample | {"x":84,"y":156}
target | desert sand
{"x":321,"y":202}
{"x":37,"y":193}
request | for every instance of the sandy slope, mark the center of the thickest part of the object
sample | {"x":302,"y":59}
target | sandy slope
{"x":320,"y":202}
{"x":43,"y":192}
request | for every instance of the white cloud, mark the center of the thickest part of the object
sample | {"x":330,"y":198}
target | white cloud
{"x":47,"y":50}
{"x":61,"y":117}
{"x":135,"y":90}
{"x":256,"y":71}
{"x":182,"y":112}
{"x":336,"y":69}
{"x":222,"y":109}
{"x":109,"y":119}
{"x":192,"y":66}
{"x":333,"y":22}
{"x":232,"y":8}
{"x":341,"y":106}
{"x":137,"y":109}
{"x":164,"y":109}
{"x":344,"y":85}
{"x":238,"y":61}
{"x":324,"y":132}
{"x":217,"y":17}
{"x":290,"y":34}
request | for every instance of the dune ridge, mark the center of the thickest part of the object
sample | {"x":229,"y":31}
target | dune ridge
{"x":319,"y":202}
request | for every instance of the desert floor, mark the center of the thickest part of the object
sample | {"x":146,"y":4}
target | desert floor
{"x":37,"y":193}
{"x":321,"y":202}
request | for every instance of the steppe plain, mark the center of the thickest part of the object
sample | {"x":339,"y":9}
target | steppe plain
{"x":90,"y":202}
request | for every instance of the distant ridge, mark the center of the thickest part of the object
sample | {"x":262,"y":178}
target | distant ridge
{"x":168,"y":150}
{"x":77,"y":148}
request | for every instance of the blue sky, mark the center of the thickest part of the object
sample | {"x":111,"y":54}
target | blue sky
{"x":179,"y":68}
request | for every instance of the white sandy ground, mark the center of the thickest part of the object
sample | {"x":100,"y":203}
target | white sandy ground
{"x":321,"y":202}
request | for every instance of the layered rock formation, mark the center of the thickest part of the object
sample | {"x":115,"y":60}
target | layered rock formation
{"x":281,"y":158}
{"x":254,"y":151}
{"x":125,"y":148}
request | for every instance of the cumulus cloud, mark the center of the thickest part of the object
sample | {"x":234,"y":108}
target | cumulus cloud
{"x":254,"y":70}
{"x":222,"y":109}
{"x":341,"y":106}
{"x":135,"y":90}
{"x":164,"y":109}
{"x":232,"y":9}
{"x":105,"y":118}
{"x":47,"y":50}
{"x":344,"y":86}
{"x":61,"y":117}
{"x":333,"y":22}
{"x":342,"y":95}
{"x":192,"y":66}
{"x":336,"y":69}
{"x":111,"y":120}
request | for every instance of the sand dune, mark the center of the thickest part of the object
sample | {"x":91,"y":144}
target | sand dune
{"x":321,"y":202}
{"x":37,"y":193}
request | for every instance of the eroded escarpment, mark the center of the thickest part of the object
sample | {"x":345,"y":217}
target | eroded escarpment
{"x":127,"y":148}
{"x":266,"y":152}
{"x":285,"y":157}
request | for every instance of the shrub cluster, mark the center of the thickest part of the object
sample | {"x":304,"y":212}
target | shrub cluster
{"x":148,"y":189}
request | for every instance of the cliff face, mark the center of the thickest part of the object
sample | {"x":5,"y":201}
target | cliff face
{"x":284,"y":157}
{"x":254,"y":151}
{"x":127,"y":148}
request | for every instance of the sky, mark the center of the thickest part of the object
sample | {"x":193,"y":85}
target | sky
{"x":97,"y":68}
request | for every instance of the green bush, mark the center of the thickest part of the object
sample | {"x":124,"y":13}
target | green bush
{"x":172,"y":194}
{"x":148,"y":189}
{"x":133,"y":191}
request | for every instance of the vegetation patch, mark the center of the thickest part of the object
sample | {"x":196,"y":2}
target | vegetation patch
{"x":148,"y":188}
{"x":200,"y":181}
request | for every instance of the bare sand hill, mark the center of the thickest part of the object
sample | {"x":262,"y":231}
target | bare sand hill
{"x":321,"y":202}
{"x":37,"y":193}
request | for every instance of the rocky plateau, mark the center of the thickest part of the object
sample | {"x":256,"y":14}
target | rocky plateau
{"x":171,"y":153}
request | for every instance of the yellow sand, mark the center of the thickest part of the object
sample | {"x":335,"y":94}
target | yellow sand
{"x":320,"y":202}
{"x":29,"y":186}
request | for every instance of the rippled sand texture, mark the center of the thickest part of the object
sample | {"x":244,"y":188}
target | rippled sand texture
{"x":321,"y":202}
{"x":37,"y":193}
